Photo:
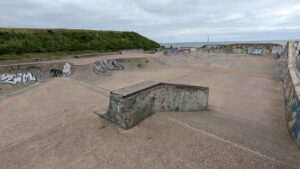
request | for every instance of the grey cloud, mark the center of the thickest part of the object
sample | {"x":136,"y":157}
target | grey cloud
{"x":162,"y":20}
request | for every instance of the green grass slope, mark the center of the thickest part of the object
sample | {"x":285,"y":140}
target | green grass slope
{"x":23,"y":41}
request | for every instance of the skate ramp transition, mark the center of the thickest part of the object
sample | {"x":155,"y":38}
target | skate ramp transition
{"x":291,"y":87}
{"x":130,"y":105}
{"x":38,"y":71}
{"x":107,"y":66}
{"x":18,"y":76}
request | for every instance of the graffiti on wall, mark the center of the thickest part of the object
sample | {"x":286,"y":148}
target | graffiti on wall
{"x":252,"y":49}
{"x":17,"y":78}
{"x":255,"y":51}
{"x":56,"y":73}
{"x":292,"y":106}
{"x":30,"y":74}
{"x":107,"y":66}
{"x":61,"y":73}
{"x":67,"y":69}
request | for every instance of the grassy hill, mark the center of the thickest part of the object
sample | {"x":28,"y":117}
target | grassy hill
{"x":15,"y":42}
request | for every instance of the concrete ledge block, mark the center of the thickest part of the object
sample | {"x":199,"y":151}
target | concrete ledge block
{"x":130,"y":105}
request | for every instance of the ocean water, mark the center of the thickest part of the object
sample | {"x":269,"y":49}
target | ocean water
{"x":200,"y":44}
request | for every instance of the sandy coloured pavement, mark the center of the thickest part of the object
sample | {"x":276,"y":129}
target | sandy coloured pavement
{"x":54,"y":125}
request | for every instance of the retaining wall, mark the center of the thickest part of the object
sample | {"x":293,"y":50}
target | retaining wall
{"x":23,"y":74}
{"x":128,"y":106}
{"x":291,"y":87}
{"x":252,"y":49}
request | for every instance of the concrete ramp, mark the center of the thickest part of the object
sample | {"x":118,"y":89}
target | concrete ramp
{"x":130,"y":105}
{"x":19,"y":76}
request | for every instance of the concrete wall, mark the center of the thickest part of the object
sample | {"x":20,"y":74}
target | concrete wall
{"x":106,"y":67}
{"x":130,"y":105}
{"x":291,"y":87}
{"x":22,"y":74}
{"x":133,"y":63}
{"x":252,"y":49}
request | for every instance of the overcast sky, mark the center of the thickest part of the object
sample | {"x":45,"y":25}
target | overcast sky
{"x":162,"y":20}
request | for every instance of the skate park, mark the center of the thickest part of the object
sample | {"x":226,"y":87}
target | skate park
{"x":53,"y":110}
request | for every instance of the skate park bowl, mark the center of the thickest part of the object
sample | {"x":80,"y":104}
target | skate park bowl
{"x":130,"y":105}
{"x":245,"y":116}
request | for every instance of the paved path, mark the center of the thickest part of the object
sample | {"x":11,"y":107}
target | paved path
{"x":54,"y":125}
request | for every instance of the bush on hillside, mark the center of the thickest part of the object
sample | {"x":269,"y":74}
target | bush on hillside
{"x":20,"y":41}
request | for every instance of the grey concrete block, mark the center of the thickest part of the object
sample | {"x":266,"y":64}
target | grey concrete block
{"x":128,"y":106}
